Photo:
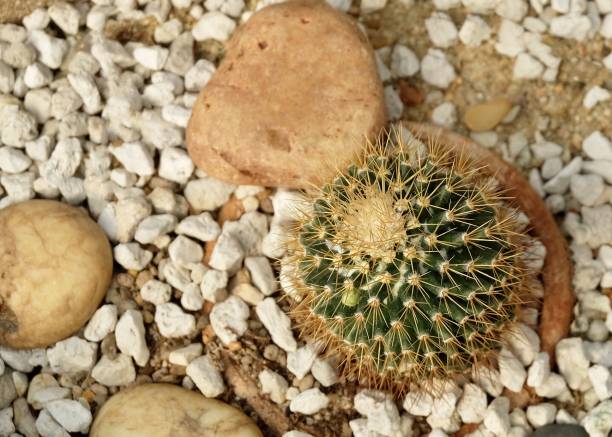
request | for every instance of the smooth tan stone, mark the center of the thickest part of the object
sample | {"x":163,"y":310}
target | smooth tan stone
{"x":55,"y":267}
{"x":164,"y":410}
{"x":485,"y":116}
{"x":295,"y":95}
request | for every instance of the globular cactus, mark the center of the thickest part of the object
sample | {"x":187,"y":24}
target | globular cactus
{"x":409,"y":265}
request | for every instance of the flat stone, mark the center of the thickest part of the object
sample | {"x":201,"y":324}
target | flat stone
{"x":277,"y":323}
{"x":229,"y":123}
{"x":206,"y":376}
{"x":309,"y":402}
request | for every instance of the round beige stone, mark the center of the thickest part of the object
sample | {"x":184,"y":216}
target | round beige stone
{"x":55,"y":267}
{"x":295,"y":96}
{"x":164,"y":410}
{"x":485,"y":116}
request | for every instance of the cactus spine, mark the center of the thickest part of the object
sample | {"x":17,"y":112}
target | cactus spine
{"x":408,"y":264}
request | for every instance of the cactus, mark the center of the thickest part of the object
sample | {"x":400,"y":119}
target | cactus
{"x":409,"y":265}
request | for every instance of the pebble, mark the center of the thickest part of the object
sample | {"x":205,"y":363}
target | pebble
{"x":598,"y":421}
{"x":65,"y":16}
{"x":436,"y":69}
{"x":261,"y":274}
{"x":586,"y":188}
{"x":71,"y":415}
{"x":199,"y":75}
{"x":185,"y":355}
{"x":23,"y":419}
{"x":489,"y":379}
{"x":594,"y":96}
{"x":572,"y":361}
{"x":37,"y":19}
{"x":601,"y":378}
{"x":134,"y":157}
{"x":514,"y":10}
{"x":496,"y":418}
{"x":213,"y":25}
{"x":72,"y":355}
{"x":7,"y":427}
{"x":552,"y":386}
{"x":175,"y":165}
{"x":114,"y":372}
{"x":441,"y":29}
{"x":213,"y":285}
{"x":510,"y":39}
{"x":324,"y":372}
{"x":541,"y":414}
{"x":184,"y":251}
{"x":551,"y":167}
{"x":539,"y":370}
{"x":381,"y":411}
{"x":16,"y":126}
{"x":527,"y":67}
{"x":13,"y":160}
{"x":8,"y":392}
{"x":404,"y":62}
{"x":130,"y":337}
{"x":48,"y":427}
{"x":596,"y":146}
{"x":131,"y":256}
{"x":445,"y":115}
{"x":23,"y":360}
{"x":229,"y":319}
{"x":205,"y":376}
{"x":207,"y":194}
{"x":101,"y":323}
{"x":485,"y":116}
{"x":172,"y":321}
{"x":44,"y":388}
{"x":418,"y":403}
{"x":474,"y":31}
{"x":156,"y":292}
{"x":473,"y":404}
{"x":36,"y":75}
{"x":168,"y":31}
{"x":512,"y":372}
{"x":369,"y":6}
{"x":571,"y":26}
{"x":480,"y":6}
{"x":151,"y":57}
{"x":51,"y":51}
{"x":393,"y":102}
{"x":274,"y":385}
{"x":301,"y":360}
{"x":309,"y":402}
{"x":277,"y":323}
{"x":153,"y":227}
{"x":202,"y":227}
{"x":227,"y":254}
{"x":560,"y":183}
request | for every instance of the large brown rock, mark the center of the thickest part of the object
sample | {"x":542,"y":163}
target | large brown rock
{"x":295,"y":96}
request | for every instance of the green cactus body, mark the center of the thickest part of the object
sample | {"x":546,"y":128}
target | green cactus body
{"x":408,"y":264}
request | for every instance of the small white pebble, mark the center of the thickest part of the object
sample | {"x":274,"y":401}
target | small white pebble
{"x":206,"y":376}
{"x":172,"y":321}
{"x":101,"y":323}
{"x":309,"y":402}
{"x":594,"y":96}
{"x":436,"y":69}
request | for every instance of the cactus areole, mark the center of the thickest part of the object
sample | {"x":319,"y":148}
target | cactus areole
{"x":409,"y":265}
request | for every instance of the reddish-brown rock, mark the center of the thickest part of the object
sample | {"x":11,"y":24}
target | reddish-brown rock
{"x":296,"y":94}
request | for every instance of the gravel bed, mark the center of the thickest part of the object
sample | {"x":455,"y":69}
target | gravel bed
{"x":94,"y":102}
